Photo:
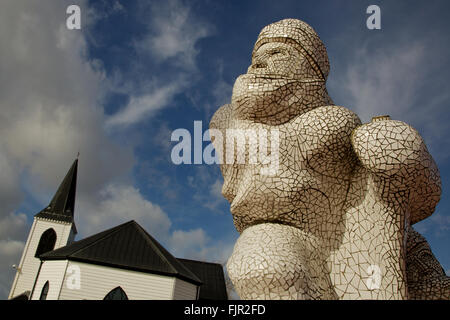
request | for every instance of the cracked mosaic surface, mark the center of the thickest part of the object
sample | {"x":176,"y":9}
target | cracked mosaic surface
{"x":335,"y":221}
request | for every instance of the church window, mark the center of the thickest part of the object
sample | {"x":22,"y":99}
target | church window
{"x":116,"y":294}
{"x":46,"y":243}
{"x":44,"y":292}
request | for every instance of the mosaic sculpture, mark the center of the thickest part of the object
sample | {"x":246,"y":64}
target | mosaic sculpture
{"x":334,"y":221}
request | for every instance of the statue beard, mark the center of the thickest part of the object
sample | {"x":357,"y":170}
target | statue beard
{"x":276,"y":100}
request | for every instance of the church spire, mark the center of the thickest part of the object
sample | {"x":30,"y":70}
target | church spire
{"x":62,"y":206}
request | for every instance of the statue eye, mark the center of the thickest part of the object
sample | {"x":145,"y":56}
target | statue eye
{"x":275,"y":52}
{"x":259,"y":65}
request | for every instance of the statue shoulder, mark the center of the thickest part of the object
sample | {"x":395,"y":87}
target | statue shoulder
{"x":221,"y":117}
{"x":338,"y":115}
{"x":386,"y":146}
{"x":330,"y":120}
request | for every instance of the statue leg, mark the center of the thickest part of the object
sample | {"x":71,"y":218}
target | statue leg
{"x":274,"y":261}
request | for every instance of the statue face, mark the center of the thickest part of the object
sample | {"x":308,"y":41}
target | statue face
{"x":274,"y":81}
{"x":277,"y":60}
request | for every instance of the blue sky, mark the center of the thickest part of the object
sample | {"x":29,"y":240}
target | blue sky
{"x":137,"y":70}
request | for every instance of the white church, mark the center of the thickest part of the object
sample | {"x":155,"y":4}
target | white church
{"x":122,"y":263}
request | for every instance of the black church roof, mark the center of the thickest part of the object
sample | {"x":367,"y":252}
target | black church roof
{"x":62,"y":206}
{"x":212,"y":276}
{"x":126,"y":246}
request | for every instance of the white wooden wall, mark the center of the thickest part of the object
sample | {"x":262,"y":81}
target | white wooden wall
{"x":97,"y":281}
{"x":29,"y":264}
{"x":184,"y":290}
{"x":53,"y":272}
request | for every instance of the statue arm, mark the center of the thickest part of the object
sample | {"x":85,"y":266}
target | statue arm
{"x":394,"y":150}
{"x":220,"y":121}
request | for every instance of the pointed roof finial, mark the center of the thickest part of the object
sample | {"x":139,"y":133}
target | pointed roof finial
{"x":62,"y":205}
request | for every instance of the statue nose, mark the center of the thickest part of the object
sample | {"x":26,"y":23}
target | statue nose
{"x":257,"y":65}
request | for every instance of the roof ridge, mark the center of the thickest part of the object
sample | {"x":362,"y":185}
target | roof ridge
{"x":107,"y":234}
{"x":153,"y":245}
{"x":160,"y":253}
{"x":111,"y":232}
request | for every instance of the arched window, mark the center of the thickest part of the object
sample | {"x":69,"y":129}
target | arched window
{"x":116,"y":294}
{"x":44,"y":292}
{"x":46,"y":243}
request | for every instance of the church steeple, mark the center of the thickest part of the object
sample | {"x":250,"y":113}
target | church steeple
{"x":62,"y":206}
{"x":52,"y":228}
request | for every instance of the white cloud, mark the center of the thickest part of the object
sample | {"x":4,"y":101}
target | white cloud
{"x":216,"y":189}
{"x":50,"y":110}
{"x":196,"y":244}
{"x":10,"y":253}
{"x":215,"y":196}
{"x":13,"y":232}
{"x":49,"y":100}
{"x":9,"y":184}
{"x":174,"y":33}
{"x":184,"y":241}
{"x":144,"y":106}
{"x":116,"y":204}
{"x":13,"y":226}
{"x":381,"y":81}
{"x":162,"y":139}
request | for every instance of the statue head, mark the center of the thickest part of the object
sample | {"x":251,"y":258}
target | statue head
{"x":288,"y":61}
{"x":308,"y":55}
